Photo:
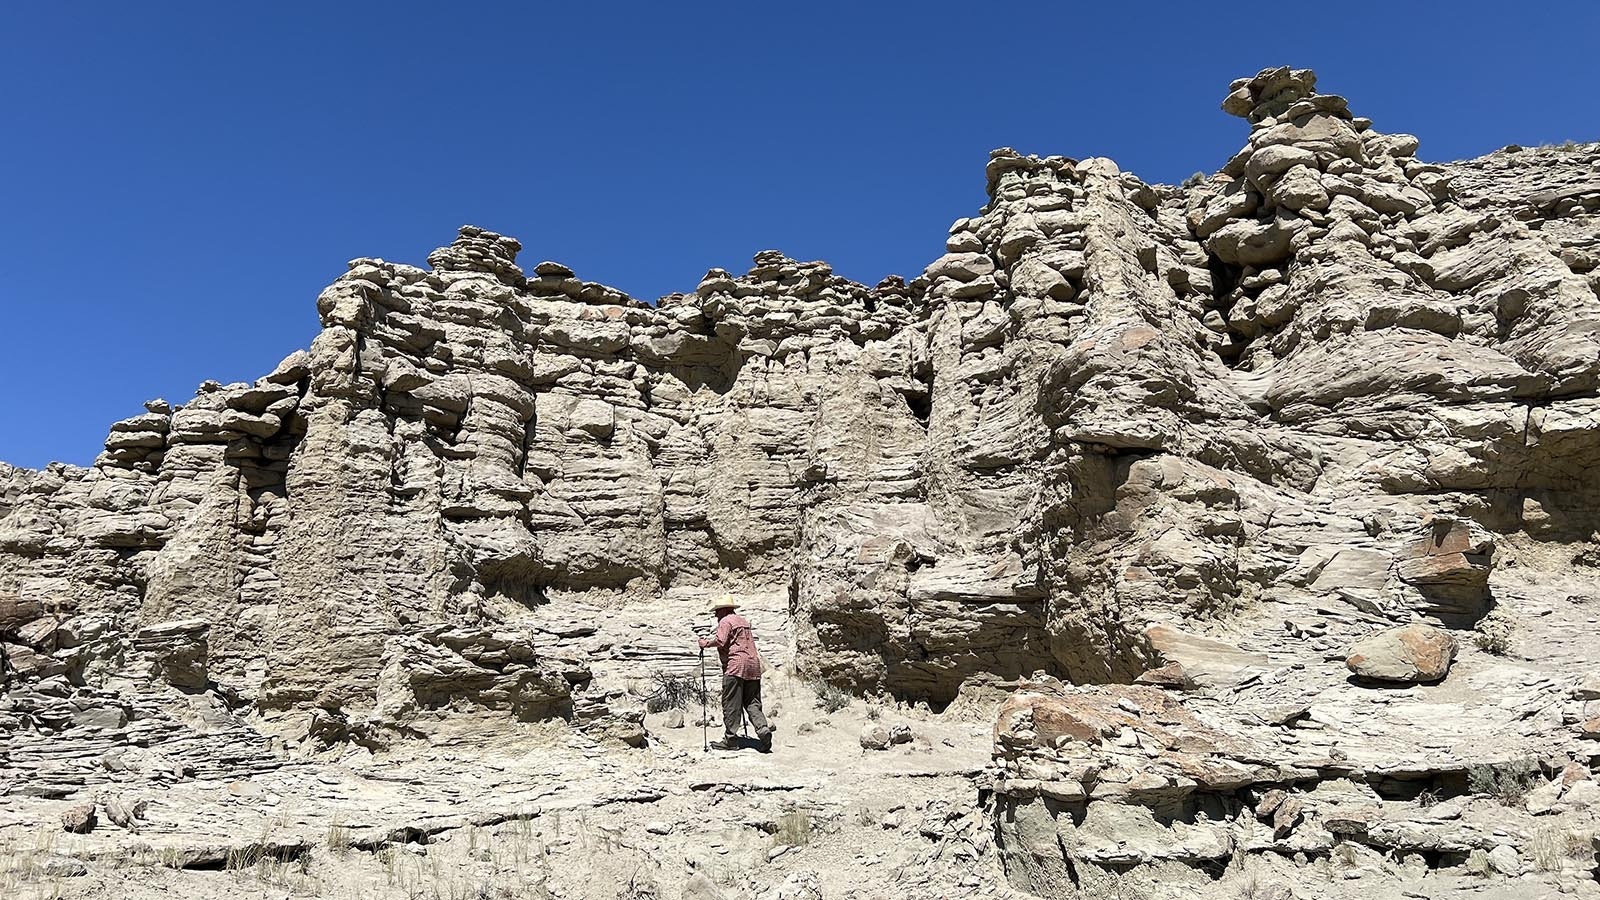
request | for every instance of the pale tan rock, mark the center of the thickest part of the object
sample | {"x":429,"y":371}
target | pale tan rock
{"x":875,"y":737}
{"x":1201,"y":660}
{"x":79,"y":819}
{"x":802,"y":885}
{"x":1588,"y":688}
{"x":125,"y":811}
{"x":1171,"y":675}
{"x":1413,"y":653}
{"x":700,"y":887}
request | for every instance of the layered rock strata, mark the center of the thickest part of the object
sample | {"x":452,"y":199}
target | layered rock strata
{"x":1109,"y":404}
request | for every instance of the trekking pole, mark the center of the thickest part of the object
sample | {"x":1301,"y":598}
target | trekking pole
{"x":705,"y":718}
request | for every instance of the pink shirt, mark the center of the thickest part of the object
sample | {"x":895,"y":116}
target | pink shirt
{"x":736,"y":643}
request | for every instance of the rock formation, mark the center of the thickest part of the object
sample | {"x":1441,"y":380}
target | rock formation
{"x":1203,"y":438}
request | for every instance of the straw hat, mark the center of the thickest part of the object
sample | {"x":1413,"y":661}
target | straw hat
{"x":723,"y":603}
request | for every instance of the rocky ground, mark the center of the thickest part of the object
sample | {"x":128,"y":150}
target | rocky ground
{"x":544,"y":812}
{"x":1238,"y":536}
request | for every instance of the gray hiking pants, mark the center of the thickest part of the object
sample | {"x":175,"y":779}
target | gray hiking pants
{"x":742,"y":697}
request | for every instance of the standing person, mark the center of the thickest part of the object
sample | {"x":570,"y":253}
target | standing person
{"x":741,"y":676}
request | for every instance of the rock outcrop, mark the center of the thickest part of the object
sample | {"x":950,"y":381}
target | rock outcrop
{"x":1200,"y":437}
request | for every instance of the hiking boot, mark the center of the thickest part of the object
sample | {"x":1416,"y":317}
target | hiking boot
{"x":725,"y":744}
{"x":765,"y":738}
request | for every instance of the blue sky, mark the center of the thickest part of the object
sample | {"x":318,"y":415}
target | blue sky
{"x":181,"y":179}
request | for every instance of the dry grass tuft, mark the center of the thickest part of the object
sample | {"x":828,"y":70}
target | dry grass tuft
{"x":1552,"y":847}
{"x":338,"y":837}
{"x":794,"y":828}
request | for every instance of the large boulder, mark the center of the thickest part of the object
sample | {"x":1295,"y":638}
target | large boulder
{"x":874,"y":737}
{"x":1410,"y":654}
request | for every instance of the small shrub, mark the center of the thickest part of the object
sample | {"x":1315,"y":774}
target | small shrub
{"x":830,"y":698}
{"x":874,"y":713}
{"x":673,"y":692}
{"x":1508,"y":784}
{"x":1194,"y":180}
{"x":1481,"y":779}
{"x":1493,"y":633}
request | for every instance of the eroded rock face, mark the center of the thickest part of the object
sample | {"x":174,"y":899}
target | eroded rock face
{"x":1317,"y":370}
{"x":459,"y":448}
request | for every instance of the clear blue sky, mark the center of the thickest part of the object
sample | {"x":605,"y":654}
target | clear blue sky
{"x":181,"y":179}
